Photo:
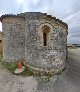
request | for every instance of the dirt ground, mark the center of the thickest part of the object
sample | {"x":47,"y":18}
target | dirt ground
{"x":69,"y":81}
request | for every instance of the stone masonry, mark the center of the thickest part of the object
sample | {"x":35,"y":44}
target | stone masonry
{"x":1,"y":43}
{"x":37,"y":38}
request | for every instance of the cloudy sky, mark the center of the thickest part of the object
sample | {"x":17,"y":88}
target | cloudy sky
{"x":66,"y":10}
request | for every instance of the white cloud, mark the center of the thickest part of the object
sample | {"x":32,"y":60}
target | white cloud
{"x":67,"y":10}
{"x":20,"y":2}
{"x":68,"y":18}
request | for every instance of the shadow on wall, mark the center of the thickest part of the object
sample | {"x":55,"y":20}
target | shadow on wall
{"x":1,"y":43}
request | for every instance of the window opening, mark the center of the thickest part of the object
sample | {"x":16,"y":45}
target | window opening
{"x":45,"y":38}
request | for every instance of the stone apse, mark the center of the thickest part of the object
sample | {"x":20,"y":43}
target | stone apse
{"x":37,"y":38}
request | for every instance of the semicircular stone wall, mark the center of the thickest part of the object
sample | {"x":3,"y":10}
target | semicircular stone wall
{"x":53,"y":55}
{"x":39,"y":40}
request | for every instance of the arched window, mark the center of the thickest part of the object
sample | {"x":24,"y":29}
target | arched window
{"x":45,"y":39}
{"x":45,"y":30}
{"x":44,"y":35}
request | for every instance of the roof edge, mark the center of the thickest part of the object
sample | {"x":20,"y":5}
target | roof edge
{"x":9,"y":15}
{"x":47,"y":16}
{"x":58,"y":20}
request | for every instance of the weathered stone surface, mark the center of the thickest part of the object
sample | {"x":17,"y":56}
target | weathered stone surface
{"x":23,"y":39}
{"x":1,"y":43}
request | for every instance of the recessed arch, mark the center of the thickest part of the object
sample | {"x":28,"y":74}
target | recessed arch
{"x":44,"y":32}
{"x":47,"y":24}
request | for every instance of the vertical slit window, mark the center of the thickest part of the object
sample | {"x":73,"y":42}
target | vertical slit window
{"x":45,"y":39}
{"x":45,"y":30}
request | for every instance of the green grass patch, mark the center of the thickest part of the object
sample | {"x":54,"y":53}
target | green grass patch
{"x":12,"y":66}
{"x":27,"y":72}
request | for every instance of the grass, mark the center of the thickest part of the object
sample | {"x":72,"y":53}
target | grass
{"x":9,"y":66}
{"x":27,"y":72}
{"x":12,"y":66}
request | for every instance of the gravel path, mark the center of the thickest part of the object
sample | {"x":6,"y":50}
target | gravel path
{"x":13,"y":83}
{"x":69,"y":81}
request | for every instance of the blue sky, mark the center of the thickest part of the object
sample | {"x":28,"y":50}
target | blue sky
{"x":66,"y":10}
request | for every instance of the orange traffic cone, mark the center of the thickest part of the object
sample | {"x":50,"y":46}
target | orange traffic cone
{"x":19,"y":65}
